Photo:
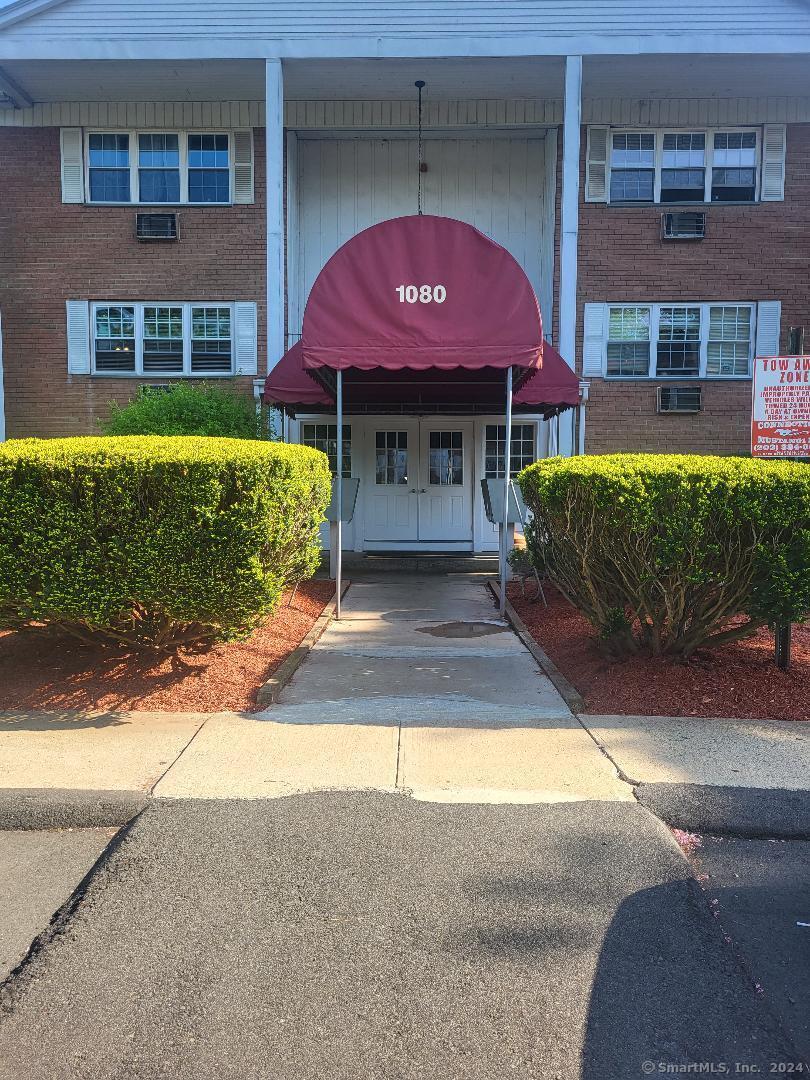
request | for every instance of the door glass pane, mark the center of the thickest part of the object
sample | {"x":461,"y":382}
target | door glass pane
{"x":446,"y":456}
{"x":391,"y":457}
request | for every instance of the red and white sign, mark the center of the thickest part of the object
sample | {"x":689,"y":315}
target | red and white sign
{"x":780,"y":419}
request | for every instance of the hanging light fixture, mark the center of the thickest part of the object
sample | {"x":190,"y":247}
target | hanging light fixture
{"x":420,"y":85}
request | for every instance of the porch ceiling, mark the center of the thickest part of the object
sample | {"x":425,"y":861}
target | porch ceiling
{"x":540,"y":78}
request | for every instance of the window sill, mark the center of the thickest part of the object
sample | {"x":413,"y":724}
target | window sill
{"x":163,"y":376}
{"x":676,"y":207}
{"x":159,"y":208}
{"x":676,"y":378}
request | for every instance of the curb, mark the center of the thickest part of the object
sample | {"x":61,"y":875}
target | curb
{"x":268,"y":693}
{"x":24,"y":809}
{"x":566,"y":690}
{"x":751,"y":813}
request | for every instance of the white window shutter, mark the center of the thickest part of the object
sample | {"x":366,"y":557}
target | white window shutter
{"x":774,"y":140}
{"x":594,"y":335}
{"x":72,"y":165}
{"x":245,"y":343}
{"x":243,"y":166}
{"x":769,"y":319}
{"x":597,"y":164}
{"x":78,"y":337}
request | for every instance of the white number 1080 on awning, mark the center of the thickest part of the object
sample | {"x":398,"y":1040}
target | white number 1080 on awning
{"x":422,"y":294}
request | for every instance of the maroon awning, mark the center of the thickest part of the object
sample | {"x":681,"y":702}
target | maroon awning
{"x":422,"y":312}
{"x":422,"y":292}
{"x":553,"y":386}
{"x":289,"y":384}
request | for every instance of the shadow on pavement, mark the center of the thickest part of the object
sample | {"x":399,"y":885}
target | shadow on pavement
{"x":670,"y":992}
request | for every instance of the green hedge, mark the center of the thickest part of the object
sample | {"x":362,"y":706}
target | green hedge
{"x":661,"y":551}
{"x":155,"y":541}
{"x":189,"y":409}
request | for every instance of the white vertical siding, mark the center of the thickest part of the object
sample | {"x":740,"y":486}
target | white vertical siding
{"x":382,"y":115}
{"x":499,"y":185}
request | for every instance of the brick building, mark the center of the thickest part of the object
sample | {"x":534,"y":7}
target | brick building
{"x":646,"y":165}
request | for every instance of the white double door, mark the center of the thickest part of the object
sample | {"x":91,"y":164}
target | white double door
{"x":419,"y":482}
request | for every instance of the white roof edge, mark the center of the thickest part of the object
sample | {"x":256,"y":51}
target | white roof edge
{"x":350,"y":47}
{"x":18,"y":10}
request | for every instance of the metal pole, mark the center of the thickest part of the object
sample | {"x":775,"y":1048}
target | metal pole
{"x":507,"y":466}
{"x":339,"y":472}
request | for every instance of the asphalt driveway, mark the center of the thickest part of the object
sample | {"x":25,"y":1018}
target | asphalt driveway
{"x":372,"y":935}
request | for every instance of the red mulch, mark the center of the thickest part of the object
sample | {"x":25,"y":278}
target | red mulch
{"x":43,"y":673}
{"x":736,"y":680}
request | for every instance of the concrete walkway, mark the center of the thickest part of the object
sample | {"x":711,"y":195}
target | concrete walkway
{"x":419,"y":688}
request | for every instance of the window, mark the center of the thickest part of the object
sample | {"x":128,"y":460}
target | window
{"x":162,"y":339}
{"x":522,"y":452}
{"x":632,"y":167}
{"x":208,"y":169}
{"x":159,"y":168}
{"x":691,"y":341}
{"x":628,"y":350}
{"x":729,"y":350}
{"x":678,"y":350}
{"x":734,"y":172}
{"x":156,"y":167}
{"x":211,"y":350}
{"x":324,"y":438}
{"x":115,"y":339}
{"x":391,"y":457}
{"x":684,"y":166}
{"x":446,"y":458}
{"x":108,"y":160}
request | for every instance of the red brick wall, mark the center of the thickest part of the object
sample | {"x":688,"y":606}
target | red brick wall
{"x":750,"y":253}
{"x":51,"y":252}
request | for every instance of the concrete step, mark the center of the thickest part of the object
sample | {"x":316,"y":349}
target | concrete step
{"x":450,"y":562}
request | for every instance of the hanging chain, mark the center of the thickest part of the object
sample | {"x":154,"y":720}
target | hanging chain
{"x":419,"y":84}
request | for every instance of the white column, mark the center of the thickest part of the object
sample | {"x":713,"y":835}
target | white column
{"x":339,"y":500}
{"x":274,"y":166}
{"x":569,"y":231}
{"x":504,"y":532}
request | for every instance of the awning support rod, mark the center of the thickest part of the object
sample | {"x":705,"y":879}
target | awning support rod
{"x":507,"y":468}
{"x":339,"y":472}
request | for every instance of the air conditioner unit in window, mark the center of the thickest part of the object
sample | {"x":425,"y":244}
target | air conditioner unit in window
{"x":149,"y":227}
{"x":683,"y":226}
{"x":679,"y":399}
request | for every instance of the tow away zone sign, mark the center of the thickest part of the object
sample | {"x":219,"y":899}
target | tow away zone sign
{"x":780,"y":418}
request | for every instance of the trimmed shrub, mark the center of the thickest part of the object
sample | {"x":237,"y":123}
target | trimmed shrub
{"x":150,"y":541}
{"x":189,"y":409}
{"x":662,"y":552}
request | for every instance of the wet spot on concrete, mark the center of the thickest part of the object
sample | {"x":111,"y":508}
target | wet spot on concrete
{"x":463,"y":629}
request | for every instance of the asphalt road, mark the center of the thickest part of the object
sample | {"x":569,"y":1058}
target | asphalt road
{"x":370,"y":935}
{"x":39,"y":870}
{"x":760,"y":890}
